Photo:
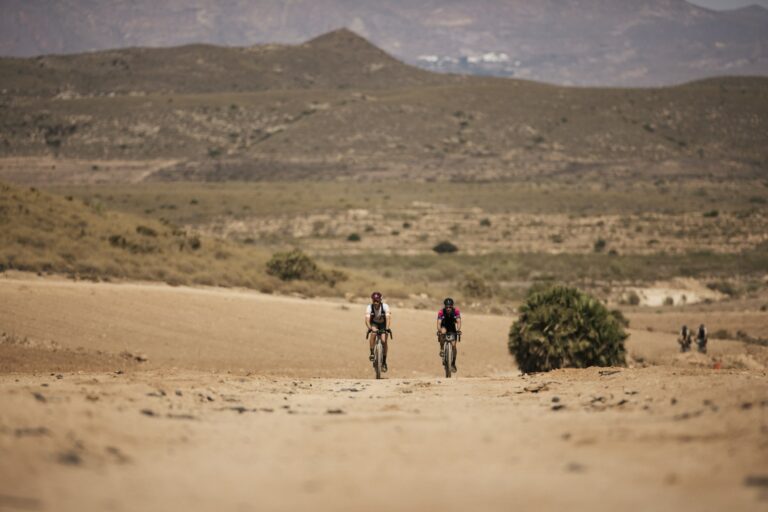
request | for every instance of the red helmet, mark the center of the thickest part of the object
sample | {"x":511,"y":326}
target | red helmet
{"x":376,"y":296}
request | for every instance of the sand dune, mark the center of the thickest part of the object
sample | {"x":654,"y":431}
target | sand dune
{"x":256,"y":402}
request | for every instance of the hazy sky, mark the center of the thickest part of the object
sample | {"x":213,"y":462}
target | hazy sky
{"x":728,"y":4}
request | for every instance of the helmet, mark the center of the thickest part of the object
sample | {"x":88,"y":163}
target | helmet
{"x":376,"y":296}
{"x":448,"y":302}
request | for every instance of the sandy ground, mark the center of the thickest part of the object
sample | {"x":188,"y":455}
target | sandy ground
{"x":253,"y":402}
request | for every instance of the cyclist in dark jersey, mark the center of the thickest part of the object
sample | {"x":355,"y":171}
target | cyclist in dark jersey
{"x":449,"y":328}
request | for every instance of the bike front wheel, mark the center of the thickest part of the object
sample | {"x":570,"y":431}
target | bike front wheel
{"x":378,"y":358}
{"x":447,"y":359}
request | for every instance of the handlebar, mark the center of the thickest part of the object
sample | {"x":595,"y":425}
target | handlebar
{"x":380,"y":331}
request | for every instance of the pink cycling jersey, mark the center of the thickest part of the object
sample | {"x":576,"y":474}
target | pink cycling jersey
{"x":456,"y":314}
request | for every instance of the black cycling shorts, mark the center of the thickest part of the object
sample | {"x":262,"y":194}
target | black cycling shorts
{"x":380,"y":327}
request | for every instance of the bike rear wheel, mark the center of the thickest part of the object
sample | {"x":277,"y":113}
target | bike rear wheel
{"x":448,"y":359}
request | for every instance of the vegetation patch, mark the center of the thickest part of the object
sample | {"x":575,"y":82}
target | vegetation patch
{"x":563,"y":327}
{"x":295,"y":265}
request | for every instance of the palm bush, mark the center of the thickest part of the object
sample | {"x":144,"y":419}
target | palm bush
{"x":562,"y":327}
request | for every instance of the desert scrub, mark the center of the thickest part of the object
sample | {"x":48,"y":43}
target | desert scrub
{"x":563,"y":327}
{"x":475,"y":287}
{"x":295,"y":265}
{"x":445,"y":248}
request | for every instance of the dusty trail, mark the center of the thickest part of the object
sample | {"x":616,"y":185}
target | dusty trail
{"x":229,"y":413}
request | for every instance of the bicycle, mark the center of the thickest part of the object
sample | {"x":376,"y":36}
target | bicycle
{"x":448,"y":339}
{"x":378,"y":349}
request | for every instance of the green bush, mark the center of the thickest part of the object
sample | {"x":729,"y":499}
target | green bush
{"x":562,"y":327}
{"x":353,"y":237}
{"x":295,"y":265}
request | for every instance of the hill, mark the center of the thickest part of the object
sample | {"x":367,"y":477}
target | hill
{"x":337,"y":60}
{"x":337,"y":106}
{"x":46,"y":233}
{"x":585,"y":42}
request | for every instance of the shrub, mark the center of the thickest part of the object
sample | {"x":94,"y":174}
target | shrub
{"x":633,"y":298}
{"x":194,"y":243}
{"x":669,"y":301}
{"x":353,"y":237}
{"x":146,"y":231}
{"x":295,"y":265}
{"x":724,"y":287}
{"x":288,"y":266}
{"x":721,"y":334}
{"x":600,"y":245}
{"x":712,"y":214}
{"x":561,"y":327}
{"x":445,"y":247}
{"x":475,"y":286}
{"x":486,"y":223}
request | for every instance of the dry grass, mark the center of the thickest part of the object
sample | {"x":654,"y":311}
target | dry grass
{"x":51,"y":234}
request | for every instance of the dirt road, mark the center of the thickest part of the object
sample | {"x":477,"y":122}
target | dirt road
{"x":255,"y":402}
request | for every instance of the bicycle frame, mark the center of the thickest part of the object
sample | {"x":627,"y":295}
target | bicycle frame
{"x":378,"y":349}
{"x":448,"y":350}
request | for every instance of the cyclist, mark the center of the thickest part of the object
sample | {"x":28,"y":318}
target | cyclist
{"x":378,"y":317}
{"x":449,"y":328}
{"x":685,"y":339}
{"x":701,"y":339}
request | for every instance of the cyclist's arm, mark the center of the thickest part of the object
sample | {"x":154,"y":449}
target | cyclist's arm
{"x":388,"y":318}
{"x":458,"y":324}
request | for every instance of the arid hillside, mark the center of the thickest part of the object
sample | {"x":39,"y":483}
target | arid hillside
{"x":340,"y":59}
{"x":339,"y":107}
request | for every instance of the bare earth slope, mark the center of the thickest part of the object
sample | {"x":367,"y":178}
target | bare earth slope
{"x":254,"y":402}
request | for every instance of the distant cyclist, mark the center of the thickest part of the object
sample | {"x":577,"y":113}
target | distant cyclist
{"x":701,"y":339}
{"x":685,"y":339}
{"x":449,"y":328}
{"x":378,"y":317}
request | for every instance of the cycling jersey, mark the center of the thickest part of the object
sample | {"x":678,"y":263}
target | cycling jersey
{"x":448,"y":318}
{"x":377,"y":315}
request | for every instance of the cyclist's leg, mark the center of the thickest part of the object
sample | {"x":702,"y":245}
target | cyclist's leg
{"x":455,"y":345}
{"x":372,"y":342}
{"x":384,"y":338}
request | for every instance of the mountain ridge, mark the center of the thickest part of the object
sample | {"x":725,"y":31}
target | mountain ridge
{"x":593,"y":42}
{"x":338,"y":59}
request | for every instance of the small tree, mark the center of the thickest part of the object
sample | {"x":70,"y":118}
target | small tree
{"x":563,"y":327}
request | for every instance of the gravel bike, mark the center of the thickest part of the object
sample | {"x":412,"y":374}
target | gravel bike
{"x":378,"y":349}
{"x":448,"y":339}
